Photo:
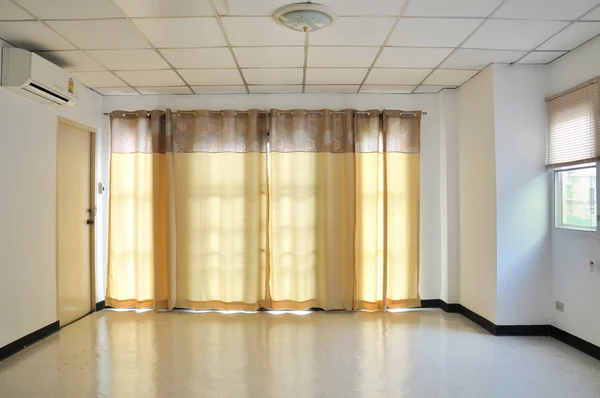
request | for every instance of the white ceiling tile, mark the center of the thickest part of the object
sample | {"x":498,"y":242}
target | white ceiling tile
{"x":541,"y":57}
{"x":339,"y":7}
{"x":573,"y":36}
{"x":450,"y":77}
{"x":254,"y":7}
{"x":99,"y":79}
{"x":348,"y":57}
{"x":269,"y":57}
{"x":479,"y":59}
{"x":219,"y":89}
{"x":9,"y":11}
{"x":199,"y":57}
{"x":149,"y":78}
{"x":32,"y":35}
{"x":340,"y":88}
{"x":432,"y":32}
{"x":181,"y":32}
{"x":501,"y":34}
{"x":354,"y":31}
{"x":273,"y":76}
{"x":364,"y":8}
{"x":545,"y":9}
{"x":260,"y":31}
{"x":593,"y":16}
{"x":397,"y":76}
{"x":163,"y":90}
{"x":387,"y":89}
{"x":431,"y":89}
{"x":453,"y":8}
{"x":163,"y":9}
{"x":411,"y":57}
{"x":335,"y":76}
{"x":72,"y":9}
{"x":211,"y":77}
{"x":129,"y":59}
{"x":107,"y":34}
{"x":117,"y":91}
{"x":73,"y":60}
{"x":275,"y":89}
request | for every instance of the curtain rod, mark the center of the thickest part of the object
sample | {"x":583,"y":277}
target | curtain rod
{"x":265,"y":112}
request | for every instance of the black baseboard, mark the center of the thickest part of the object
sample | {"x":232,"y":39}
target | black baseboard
{"x":517,"y":330}
{"x":438,"y":303}
{"x":18,"y":345}
{"x":100,"y":305}
{"x":433,"y":303}
{"x":478,"y":319}
{"x":523,"y":330}
{"x":584,"y":346}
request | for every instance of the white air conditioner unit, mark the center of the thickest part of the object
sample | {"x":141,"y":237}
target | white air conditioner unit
{"x":30,"y":75}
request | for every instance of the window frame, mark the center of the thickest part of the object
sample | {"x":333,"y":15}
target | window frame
{"x":557,"y":211}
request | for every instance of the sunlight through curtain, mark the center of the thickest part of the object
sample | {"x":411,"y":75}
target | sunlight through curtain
{"x":247,"y":210}
{"x":221,"y":206}
{"x":139,"y":224}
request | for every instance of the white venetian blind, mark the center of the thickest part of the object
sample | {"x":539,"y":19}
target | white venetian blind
{"x":574,"y":126}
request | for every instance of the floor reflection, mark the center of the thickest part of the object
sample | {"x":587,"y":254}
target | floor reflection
{"x":424,"y":353}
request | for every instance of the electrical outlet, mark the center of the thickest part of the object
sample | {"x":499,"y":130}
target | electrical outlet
{"x":560,"y":306}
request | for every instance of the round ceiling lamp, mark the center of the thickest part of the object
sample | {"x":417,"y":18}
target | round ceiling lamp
{"x":304,"y":17}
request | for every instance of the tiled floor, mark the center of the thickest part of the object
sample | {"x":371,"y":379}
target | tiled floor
{"x":424,"y":353}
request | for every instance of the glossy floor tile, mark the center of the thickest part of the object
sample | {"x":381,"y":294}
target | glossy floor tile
{"x":425,"y":353}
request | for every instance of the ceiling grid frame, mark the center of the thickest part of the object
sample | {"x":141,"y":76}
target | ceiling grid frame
{"x":217,"y":16}
{"x":495,"y":10}
{"x":28,"y":34}
{"x":382,"y":47}
{"x":580,"y":18}
{"x":128,"y":18}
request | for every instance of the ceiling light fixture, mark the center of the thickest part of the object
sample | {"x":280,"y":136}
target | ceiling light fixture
{"x":304,"y":17}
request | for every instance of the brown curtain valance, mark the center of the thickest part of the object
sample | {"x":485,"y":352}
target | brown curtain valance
{"x":246,"y":131}
{"x":139,"y":132}
{"x":227,"y":131}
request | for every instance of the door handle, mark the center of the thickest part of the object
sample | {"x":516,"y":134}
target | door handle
{"x":90,"y":222}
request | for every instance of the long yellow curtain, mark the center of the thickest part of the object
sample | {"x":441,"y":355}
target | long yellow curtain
{"x":387,"y":210}
{"x":221,"y":206}
{"x":311,"y":169}
{"x":247,"y":210}
{"x":140,"y":229}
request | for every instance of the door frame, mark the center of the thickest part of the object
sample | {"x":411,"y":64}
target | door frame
{"x":92,"y":133}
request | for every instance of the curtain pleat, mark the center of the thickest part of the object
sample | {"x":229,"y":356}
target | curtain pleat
{"x":139,"y":265}
{"x":221,"y":173}
{"x":247,"y":210}
{"x":312,"y":210}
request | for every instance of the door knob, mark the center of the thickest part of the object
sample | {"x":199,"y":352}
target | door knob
{"x":90,"y":222}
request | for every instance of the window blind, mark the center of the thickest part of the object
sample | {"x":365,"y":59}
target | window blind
{"x":574,"y":126}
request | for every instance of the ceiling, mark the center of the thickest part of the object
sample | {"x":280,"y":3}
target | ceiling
{"x":133,"y":47}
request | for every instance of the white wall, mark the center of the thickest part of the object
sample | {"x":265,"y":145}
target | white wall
{"x":28,"y":207}
{"x":572,"y":282}
{"x":449,"y":205}
{"x":522,"y":191}
{"x":477,"y":195}
{"x":430,"y":167}
{"x":575,"y":68}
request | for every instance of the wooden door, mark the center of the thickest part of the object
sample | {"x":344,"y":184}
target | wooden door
{"x":75,"y":218}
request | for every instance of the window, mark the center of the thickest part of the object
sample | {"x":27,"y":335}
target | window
{"x":574,"y":153}
{"x":575,"y":197}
